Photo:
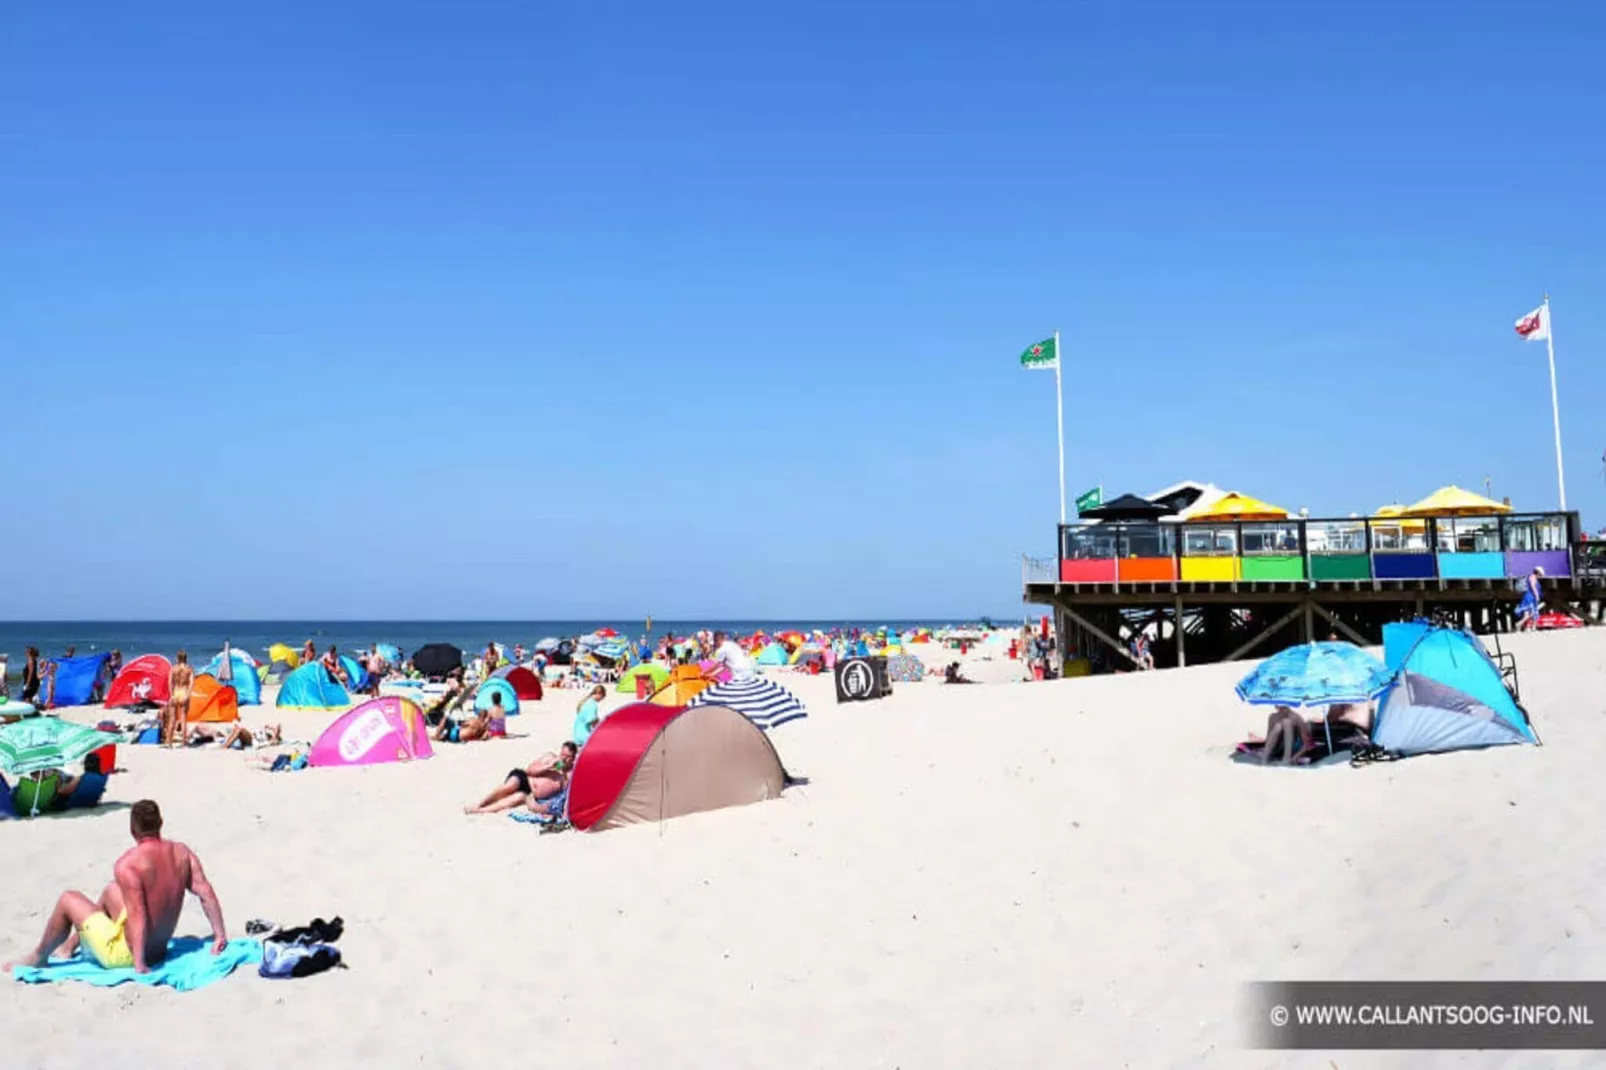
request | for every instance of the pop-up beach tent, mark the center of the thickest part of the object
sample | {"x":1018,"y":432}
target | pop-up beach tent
{"x":494,"y":686}
{"x":1447,"y":694}
{"x":385,"y":729}
{"x":246,"y":683}
{"x":213,"y":702}
{"x":75,"y":679}
{"x":143,"y":682}
{"x":312,"y":688}
{"x":647,"y":762}
{"x":526,"y":685}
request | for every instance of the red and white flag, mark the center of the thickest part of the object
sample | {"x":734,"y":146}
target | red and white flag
{"x":1535,"y":326}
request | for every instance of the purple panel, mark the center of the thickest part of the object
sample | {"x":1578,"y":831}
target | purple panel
{"x":1403,"y":567}
{"x":1554,"y":562}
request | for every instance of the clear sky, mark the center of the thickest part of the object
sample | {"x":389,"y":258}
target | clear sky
{"x":534,"y":310}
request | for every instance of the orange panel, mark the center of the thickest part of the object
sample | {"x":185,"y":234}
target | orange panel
{"x":1148,"y":570}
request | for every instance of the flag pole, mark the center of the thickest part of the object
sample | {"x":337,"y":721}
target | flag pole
{"x":1555,"y":409}
{"x":1059,"y":410}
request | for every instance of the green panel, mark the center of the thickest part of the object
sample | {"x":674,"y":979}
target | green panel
{"x":1340,"y":567}
{"x":1273,"y":568}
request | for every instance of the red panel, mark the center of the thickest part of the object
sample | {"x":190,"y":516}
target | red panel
{"x":610,"y":757}
{"x":1088,"y":570}
{"x":1148,"y":570}
{"x":526,"y":685}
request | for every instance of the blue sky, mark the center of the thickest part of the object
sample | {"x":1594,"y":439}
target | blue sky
{"x":543,"y":310}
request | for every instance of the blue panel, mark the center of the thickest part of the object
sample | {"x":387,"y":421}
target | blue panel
{"x":1472,"y":566}
{"x":1403,"y":567}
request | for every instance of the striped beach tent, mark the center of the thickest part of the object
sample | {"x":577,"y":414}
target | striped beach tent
{"x":764,"y":702}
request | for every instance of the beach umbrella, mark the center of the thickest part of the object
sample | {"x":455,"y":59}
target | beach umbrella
{"x":1453,"y":501}
{"x":1236,"y":506}
{"x":1315,"y":674}
{"x":437,"y":659}
{"x":40,"y":743}
{"x":607,"y":633}
{"x":764,"y":702}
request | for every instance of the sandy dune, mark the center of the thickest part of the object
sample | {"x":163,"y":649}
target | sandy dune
{"x":1064,"y":874}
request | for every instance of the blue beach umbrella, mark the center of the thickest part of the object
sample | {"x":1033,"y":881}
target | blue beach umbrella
{"x":1315,"y":674}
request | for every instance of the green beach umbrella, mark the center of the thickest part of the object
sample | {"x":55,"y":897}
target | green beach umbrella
{"x":40,"y":743}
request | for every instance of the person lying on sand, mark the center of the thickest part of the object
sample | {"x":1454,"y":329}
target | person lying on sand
{"x":131,"y":923}
{"x":541,"y":779}
{"x":1284,"y":727}
{"x":239,"y":736}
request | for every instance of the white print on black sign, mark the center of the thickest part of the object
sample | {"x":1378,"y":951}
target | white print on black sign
{"x":858,"y":679}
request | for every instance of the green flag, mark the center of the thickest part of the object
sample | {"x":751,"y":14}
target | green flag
{"x":1044,"y":354}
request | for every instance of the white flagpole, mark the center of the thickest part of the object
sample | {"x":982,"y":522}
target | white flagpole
{"x":1059,"y":409}
{"x":1555,"y":409}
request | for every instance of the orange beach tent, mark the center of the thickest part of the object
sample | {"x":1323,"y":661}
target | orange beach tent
{"x":212,"y":702}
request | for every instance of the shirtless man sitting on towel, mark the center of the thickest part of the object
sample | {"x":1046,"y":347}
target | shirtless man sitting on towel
{"x":137,"y":913}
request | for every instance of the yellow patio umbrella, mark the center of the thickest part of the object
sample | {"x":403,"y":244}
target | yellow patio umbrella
{"x":1235,"y":506}
{"x":1395,"y":511}
{"x":1453,"y":501}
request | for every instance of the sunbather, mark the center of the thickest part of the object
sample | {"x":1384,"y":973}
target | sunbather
{"x":130,"y":924}
{"x":541,"y":779}
{"x":80,"y":792}
{"x":239,"y":736}
{"x":1284,"y":728}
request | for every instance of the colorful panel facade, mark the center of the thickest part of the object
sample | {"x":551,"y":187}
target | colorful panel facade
{"x":1088,"y":570}
{"x":1554,"y":562}
{"x":1404,"y":566}
{"x":1209,"y":569}
{"x":1332,"y":568}
{"x":1482,"y":566}
{"x":1273,"y":569}
{"x":1147,"y":570}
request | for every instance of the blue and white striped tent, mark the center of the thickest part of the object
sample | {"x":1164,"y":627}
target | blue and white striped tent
{"x":764,"y":702}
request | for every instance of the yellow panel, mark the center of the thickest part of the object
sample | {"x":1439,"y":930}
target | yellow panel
{"x":1209,"y":569}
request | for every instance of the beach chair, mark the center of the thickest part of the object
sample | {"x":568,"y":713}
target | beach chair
{"x":35,"y":794}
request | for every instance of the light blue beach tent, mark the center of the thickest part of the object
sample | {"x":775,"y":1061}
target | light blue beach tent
{"x":356,"y":675}
{"x":247,"y":685}
{"x":774,"y":654}
{"x":311,"y":688}
{"x":1447,"y":694}
{"x":497,"y":686}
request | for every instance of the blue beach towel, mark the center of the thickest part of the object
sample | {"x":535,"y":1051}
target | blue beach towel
{"x":190,"y":964}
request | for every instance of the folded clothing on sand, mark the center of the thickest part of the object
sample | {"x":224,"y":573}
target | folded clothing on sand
{"x":189,"y":965}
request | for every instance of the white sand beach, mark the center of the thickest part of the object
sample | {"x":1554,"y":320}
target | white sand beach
{"x":1012,"y":875}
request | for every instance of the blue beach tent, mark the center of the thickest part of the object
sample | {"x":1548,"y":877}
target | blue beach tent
{"x":356,"y":675}
{"x":774,"y":654}
{"x":75,"y":678}
{"x":497,"y":686}
{"x":311,"y":688}
{"x":247,"y":685}
{"x":1447,"y":694}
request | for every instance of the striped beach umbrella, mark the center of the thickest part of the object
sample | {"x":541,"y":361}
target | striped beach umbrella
{"x":764,"y":702}
{"x":40,"y":743}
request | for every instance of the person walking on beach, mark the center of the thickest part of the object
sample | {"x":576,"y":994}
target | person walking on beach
{"x":588,"y":715}
{"x":30,"y":675}
{"x":179,"y":681}
{"x":134,"y":918}
{"x":1528,"y":608}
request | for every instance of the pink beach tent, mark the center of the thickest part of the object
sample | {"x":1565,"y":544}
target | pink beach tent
{"x":386,"y":729}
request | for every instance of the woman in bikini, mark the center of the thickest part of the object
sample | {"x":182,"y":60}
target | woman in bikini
{"x":179,"y":682}
{"x":543,"y":778}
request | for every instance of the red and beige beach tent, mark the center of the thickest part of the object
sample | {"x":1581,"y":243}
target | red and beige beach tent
{"x":646,"y":763}
{"x":143,"y":682}
{"x":526,"y":685}
{"x":212,"y":702}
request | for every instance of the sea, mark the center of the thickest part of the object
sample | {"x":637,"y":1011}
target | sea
{"x":203,"y":638}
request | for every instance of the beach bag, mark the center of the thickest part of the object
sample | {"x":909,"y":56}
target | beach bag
{"x":282,"y":962}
